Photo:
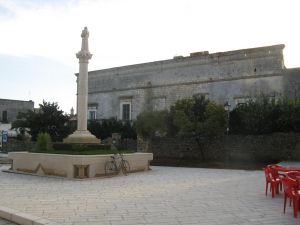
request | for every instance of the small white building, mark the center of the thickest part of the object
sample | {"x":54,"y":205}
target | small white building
{"x":9,"y":110}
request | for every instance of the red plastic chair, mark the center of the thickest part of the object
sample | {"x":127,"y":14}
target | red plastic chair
{"x":276,"y":166}
{"x":275,"y":173}
{"x":293,"y":174}
{"x":290,"y":187}
{"x":287,"y":190}
{"x":273,"y":181}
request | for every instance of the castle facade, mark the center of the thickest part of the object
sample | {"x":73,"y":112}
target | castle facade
{"x":226,"y":77}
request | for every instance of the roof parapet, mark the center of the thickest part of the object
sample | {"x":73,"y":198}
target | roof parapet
{"x":196,"y":54}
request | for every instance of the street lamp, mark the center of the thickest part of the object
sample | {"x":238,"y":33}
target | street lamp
{"x":227,"y":109}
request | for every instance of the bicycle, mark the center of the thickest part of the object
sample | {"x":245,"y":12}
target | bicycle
{"x":116,"y":165}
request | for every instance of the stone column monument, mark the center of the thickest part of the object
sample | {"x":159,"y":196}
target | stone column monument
{"x":82,"y":135}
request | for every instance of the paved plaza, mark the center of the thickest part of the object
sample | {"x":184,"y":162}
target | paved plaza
{"x":164,"y":195}
{"x":5,"y":222}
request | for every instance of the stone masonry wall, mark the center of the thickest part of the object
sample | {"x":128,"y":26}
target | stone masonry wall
{"x":158,"y":98}
{"x":203,"y":67}
{"x":262,"y":148}
{"x":291,"y":83}
{"x":227,"y":76}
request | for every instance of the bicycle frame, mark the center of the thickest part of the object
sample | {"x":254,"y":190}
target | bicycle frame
{"x":116,"y":164}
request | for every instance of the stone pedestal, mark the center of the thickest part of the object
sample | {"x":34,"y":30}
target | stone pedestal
{"x":82,"y":135}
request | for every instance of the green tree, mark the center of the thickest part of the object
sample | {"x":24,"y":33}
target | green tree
{"x":47,"y":119}
{"x":149,"y":124}
{"x":195,"y":117}
{"x":198,"y":118}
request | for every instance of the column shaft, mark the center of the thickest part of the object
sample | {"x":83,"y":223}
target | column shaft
{"x":82,"y":98}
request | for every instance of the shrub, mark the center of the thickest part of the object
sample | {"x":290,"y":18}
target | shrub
{"x":103,"y":129}
{"x":265,"y":116}
{"x":44,"y":142}
{"x":149,"y":124}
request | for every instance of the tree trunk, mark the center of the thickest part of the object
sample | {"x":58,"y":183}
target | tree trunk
{"x":143,"y":144}
{"x":201,"y":147}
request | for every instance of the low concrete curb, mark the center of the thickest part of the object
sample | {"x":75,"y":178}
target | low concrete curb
{"x":4,"y":159}
{"x":23,"y":218}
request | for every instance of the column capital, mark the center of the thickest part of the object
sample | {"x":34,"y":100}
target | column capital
{"x":84,"y":56}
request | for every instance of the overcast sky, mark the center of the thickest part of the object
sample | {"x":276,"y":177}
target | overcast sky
{"x":39,"y":38}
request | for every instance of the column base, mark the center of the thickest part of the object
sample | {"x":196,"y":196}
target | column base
{"x":81,"y":137}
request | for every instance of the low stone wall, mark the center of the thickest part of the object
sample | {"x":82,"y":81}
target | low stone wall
{"x":72,"y":166}
{"x":14,"y":145}
{"x":261,"y":148}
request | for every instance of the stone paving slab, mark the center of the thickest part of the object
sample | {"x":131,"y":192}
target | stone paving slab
{"x":165,"y":195}
{"x":5,"y":222}
{"x":3,"y":158}
{"x":17,"y":217}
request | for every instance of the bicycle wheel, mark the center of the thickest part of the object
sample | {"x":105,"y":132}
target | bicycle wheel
{"x":110,"y":168}
{"x":125,"y":167}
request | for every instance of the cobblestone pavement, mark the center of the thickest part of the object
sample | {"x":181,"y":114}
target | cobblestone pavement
{"x":163,"y":196}
{"x":5,"y":222}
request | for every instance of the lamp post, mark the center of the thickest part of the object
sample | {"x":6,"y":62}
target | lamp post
{"x":227,"y":109}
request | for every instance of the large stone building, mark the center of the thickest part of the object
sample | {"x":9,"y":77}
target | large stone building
{"x":233,"y":77}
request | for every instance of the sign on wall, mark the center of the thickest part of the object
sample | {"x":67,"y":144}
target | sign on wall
{"x":4,"y":136}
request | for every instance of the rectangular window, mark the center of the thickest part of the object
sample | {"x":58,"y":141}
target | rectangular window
{"x":4,"y":116}
{"x":92,"y":112}
{"x":125,"y":108}
{"x":92,"y":115}
{"x":125,"y":111}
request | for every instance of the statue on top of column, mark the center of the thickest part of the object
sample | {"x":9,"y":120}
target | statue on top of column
{"x":85,"y":33}
{"x":84,"y":52}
